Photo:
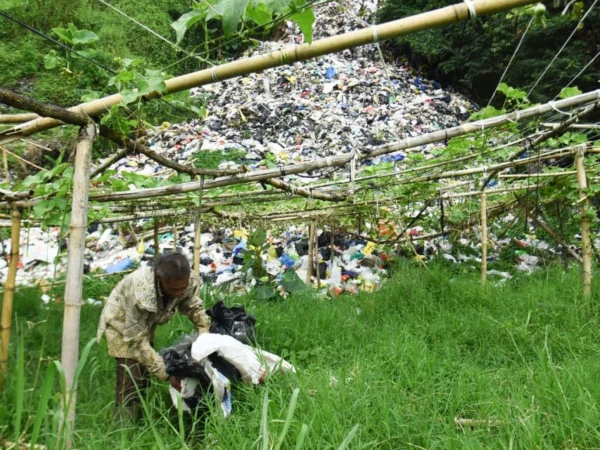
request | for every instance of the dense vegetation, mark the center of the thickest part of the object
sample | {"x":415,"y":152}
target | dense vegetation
{"x":473,"y":55}
{"x":402,"y":363}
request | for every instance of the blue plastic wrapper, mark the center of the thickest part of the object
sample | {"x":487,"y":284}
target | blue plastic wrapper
{"x":330,"y":73}
{"x":124,"y":264}
{"x":287,"y":260}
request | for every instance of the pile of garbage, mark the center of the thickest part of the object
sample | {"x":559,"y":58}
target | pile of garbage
{"x":340,"y":103}
{"x":353,"y":100}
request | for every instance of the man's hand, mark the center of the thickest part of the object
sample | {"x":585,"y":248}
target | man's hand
{"x":175,"y":383}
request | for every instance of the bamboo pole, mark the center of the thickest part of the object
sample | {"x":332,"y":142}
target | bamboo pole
{"x":17,"y":118}
{"x":334,"y":161}
{"x":156,"y":241}
{"x":575,"y":126}
{"x":175,"y":237}
{"x":554,"y":236}
{"x":287,"y":56}
{"x":536,"y":175}
{"x":586,"y":243}
{"x":74,"y":285}
{"x":316,"y":256}
{"x":484,"y":238}
{"x":545,"y":136}
{"x":332,"y":247}
{"x":5,"y":162}
{"x":198,"y":229}
{"x":311,"y":249}
{"x":9,"y":293}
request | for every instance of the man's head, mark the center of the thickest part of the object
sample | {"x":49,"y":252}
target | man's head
{"x":173,"y":273}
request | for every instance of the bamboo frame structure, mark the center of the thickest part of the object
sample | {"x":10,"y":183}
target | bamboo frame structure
{"x":198,"y":230}
{"x":9,"y":293}
{"x":484,"y":238}
{"x":74,"y":285}
{"x":311,"y":250}
{"x":289,"y":55}
{"x":156,"y":240}
{"x":586,"y":243}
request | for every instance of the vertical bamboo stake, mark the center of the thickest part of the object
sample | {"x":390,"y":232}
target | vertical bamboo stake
{"x":175,"y":238}
{"x":586,"y":244}
{"x":332,"y":246}
{"x":74,"y":285}
{"x":316,"y":256}
{"x":9,"y":292}
{"x":311,"y":243}
{"x":198,"y":229}
{"x":197,"y":243}
{"x":484,"y":238}
{"x":4,"y":160}
{"x":156,"y":242}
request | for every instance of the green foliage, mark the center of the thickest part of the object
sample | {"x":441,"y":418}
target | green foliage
{"x":213,"y":158}
{"x":427,"y":348}
{"x":474,"y":54}
{"x":232,"y":13}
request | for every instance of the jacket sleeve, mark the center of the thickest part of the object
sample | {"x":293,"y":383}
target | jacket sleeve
{"x":194,"y":309}
{"x":150,"y":358}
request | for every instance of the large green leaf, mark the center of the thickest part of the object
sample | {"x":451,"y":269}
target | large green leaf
{"x":230,"y":11}
{"x":569,"y":92}
{"x":292,"y":283}
{"x":182,"y":24}
{"x":265,"y":292}
{"x":278,"y":7}
{"x":63,"y":35}
{"x":305,"y":19}
{"x":259,"y":13}
{"x":51,"y":60}
{"x":258,"y":237}
{"x":84,"y":37}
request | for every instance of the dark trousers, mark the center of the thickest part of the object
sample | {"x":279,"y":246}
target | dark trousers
{"x":131,"y":373}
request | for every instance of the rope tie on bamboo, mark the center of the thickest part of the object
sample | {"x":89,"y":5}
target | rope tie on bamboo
{"x":553,"y":106}
{"x":375,"y":35}
{"x":516,"y":119}
{"x":213,"y":75}
{"x":472,"y":10}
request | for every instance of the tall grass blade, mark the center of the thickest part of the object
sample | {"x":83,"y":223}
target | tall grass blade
{"x":42,"y":409}
{"x":288,"y":419}
{"x":348,"y":438}
{"x":159,"y":440}
{"x":264,"y":426}
{"x":20,"y":388}
{"x":301,"y":437}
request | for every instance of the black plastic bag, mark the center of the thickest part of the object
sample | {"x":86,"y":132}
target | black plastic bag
{"x":232,"y":322}
{"x":178,"y":359}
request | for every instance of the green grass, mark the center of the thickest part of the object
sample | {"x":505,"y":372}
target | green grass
{"x":401,"y":364}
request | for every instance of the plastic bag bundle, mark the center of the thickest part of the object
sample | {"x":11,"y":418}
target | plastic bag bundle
{"x":232,"y":322}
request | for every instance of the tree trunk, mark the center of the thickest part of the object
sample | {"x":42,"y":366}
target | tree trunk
{"x":74,"y":286}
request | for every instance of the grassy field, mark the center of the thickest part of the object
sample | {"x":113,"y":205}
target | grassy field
{"x":391,"y":369}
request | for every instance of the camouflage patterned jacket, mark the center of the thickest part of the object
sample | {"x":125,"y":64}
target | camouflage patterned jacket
{"x":134,"y":309}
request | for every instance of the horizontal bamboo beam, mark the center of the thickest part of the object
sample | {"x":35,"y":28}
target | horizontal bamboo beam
{"x":536,"y":175}
{"x":489,"y":192}
{"x":545,"y":136}
{"x":289,"y":55}
{"x":575,"y":126}
{"x":339,"y":160}
{"x":247,"y":177}
{"x":17,"y":118}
